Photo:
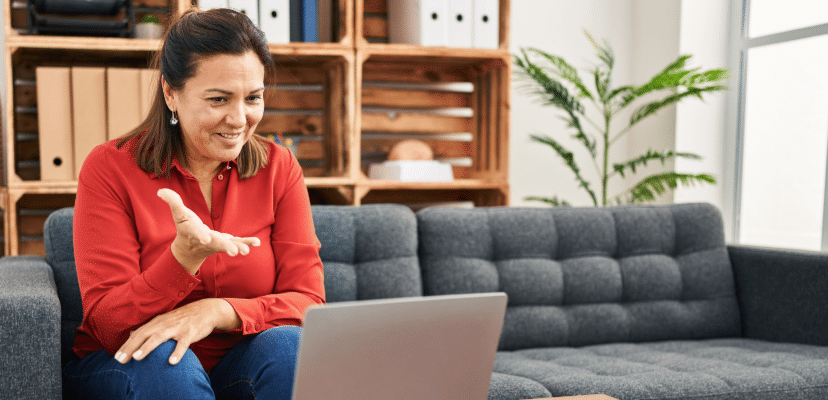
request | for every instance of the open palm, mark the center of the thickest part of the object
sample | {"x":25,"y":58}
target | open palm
{"x":194,"y":241}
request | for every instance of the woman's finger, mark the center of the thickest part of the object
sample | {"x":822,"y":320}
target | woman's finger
{"x":179,"y":210}
{"x":177,"y":354}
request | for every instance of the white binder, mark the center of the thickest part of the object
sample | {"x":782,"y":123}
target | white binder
{"x":247,"y":7}
{"x":275,"y":20}
{"x":486,"y":26}
{"x":420,"y":22}
{"x":211,"y":4}
{"x":460,"y":23}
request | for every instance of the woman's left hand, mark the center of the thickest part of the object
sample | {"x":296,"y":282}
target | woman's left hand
{"x":186,"y":325}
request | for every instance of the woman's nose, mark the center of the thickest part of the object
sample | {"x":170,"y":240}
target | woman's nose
{"x":236,"y":117}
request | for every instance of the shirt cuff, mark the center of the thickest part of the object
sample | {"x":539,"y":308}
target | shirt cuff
{"x":169,"y":278}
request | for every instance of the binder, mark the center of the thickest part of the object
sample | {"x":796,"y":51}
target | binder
{"x":421,"y":22}
{"x":309,"y":25}
{"x":324,"y":21}
{"x":211,"y":4}
{"x":486,"y":26}
{"x":247,"y":7}
{"x":54,"y":120}
{"x":88,"y":112}
{"x":459,"y":23}
{"x":123,"y":94}
{"x":295,"y":20}
{"x":275,"y":20}
{"x":150,"y":84}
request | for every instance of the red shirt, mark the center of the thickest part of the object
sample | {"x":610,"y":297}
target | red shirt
{"x":126,"y":271}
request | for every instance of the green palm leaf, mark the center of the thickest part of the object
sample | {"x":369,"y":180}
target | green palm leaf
{"x":651,"y":155}
{"x":651,"y":186}
{"x":554,"y":201}
{"x":569,"y":160}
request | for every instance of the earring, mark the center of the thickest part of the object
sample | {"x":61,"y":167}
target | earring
{"x":173,"y":119}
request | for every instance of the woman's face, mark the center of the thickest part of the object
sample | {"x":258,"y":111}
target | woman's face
{"x":218,"y":108}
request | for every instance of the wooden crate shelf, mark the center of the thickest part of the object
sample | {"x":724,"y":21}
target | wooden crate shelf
{"x":340,"y":105}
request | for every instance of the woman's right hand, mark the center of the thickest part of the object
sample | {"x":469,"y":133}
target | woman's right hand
{"x":194,"y":241}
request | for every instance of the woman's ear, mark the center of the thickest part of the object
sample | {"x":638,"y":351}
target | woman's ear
{"x":170,"y":95}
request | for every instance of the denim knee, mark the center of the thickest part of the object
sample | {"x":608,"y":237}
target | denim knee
{"x":261,"y":366}
{"x":99,"y":375}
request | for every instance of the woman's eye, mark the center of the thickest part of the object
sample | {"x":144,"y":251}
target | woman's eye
{"x":218,"y":100}
{"x":254,"y":98}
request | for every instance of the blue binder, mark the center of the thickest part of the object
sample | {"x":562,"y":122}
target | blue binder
{"x":309,"y":28}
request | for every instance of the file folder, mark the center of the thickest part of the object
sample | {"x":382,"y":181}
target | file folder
{"x":421,"y":22}
{"x":88,"y":112}
{"x":486,"y":26}
{"x":247,"y":7}
{"x":460,"y":23}
{"x":54,"y":120}
{"x":123,"y":94}
{"x":211,"y":4}
{"x":275,"y":20}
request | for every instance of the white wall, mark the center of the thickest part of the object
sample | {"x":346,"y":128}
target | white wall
{"x":646,"y":35}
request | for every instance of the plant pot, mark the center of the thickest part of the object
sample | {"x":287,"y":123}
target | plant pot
{"x":148,"y":30}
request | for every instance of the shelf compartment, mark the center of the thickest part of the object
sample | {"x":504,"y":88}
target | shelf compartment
{"x":26,"y":214}
{"x":310,"y":111}
{"x":371,"y":24}
{"x":458,"y":106}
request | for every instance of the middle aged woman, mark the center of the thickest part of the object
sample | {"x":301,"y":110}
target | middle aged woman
{"x":188,"y":303}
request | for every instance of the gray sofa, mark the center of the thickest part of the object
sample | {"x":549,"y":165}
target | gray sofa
{"x":634,"y":302}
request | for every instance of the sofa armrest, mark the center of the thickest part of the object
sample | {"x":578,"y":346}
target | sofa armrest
{"x":29,"y":330}
{"x":782,"y":294}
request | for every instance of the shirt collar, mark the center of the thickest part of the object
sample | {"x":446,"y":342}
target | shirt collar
{"x":177,"y":166}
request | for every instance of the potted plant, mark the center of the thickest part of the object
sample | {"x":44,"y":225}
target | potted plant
{"x":556,"y":83}
{"x":149,"y":28}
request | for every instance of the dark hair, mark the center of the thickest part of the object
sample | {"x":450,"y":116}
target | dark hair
{"x":194,"y":36}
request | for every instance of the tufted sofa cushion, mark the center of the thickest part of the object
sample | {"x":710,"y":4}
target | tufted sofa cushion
{"x":587,"y":275}
{"x":711,"y":369}
{"x":369,"y":252}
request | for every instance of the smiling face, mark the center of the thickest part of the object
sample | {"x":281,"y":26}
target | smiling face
{"x":218,"y":109}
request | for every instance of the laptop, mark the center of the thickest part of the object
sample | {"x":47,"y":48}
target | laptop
{"x":433,"y":347}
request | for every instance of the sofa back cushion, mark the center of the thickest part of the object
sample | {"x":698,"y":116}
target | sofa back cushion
{"x":579,"y":276}
{"x":369,"y":252}
{"x":60,"y":254}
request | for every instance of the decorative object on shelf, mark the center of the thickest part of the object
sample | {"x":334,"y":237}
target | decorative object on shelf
{"x":149,"y":28}
{"x":81,"y":17}
{"x":556,"y":83}
{"x":411,"y":160}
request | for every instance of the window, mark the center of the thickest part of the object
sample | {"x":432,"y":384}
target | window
{"x":782,"y":146}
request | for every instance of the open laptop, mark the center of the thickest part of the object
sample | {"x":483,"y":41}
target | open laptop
{"x":433,"y":347}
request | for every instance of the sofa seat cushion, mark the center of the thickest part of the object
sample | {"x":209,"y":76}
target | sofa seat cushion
{"x":733,"y":368}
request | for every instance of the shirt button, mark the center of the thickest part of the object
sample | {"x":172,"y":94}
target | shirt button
{"x":258,"y":326}
{"x":215,"y":216}
{"x":221,"y":177}
{"x":190,"y":284}
{"x":181,"y":294}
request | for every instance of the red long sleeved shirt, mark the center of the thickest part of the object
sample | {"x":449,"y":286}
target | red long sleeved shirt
{"x":126,"y":271}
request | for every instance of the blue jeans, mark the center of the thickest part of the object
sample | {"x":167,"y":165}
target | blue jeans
{"x":260,"y":366}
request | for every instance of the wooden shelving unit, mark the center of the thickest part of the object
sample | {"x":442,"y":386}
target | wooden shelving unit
{"x":342,"y":105}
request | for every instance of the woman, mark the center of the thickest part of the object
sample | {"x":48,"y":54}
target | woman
{"x":192,"y":302}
